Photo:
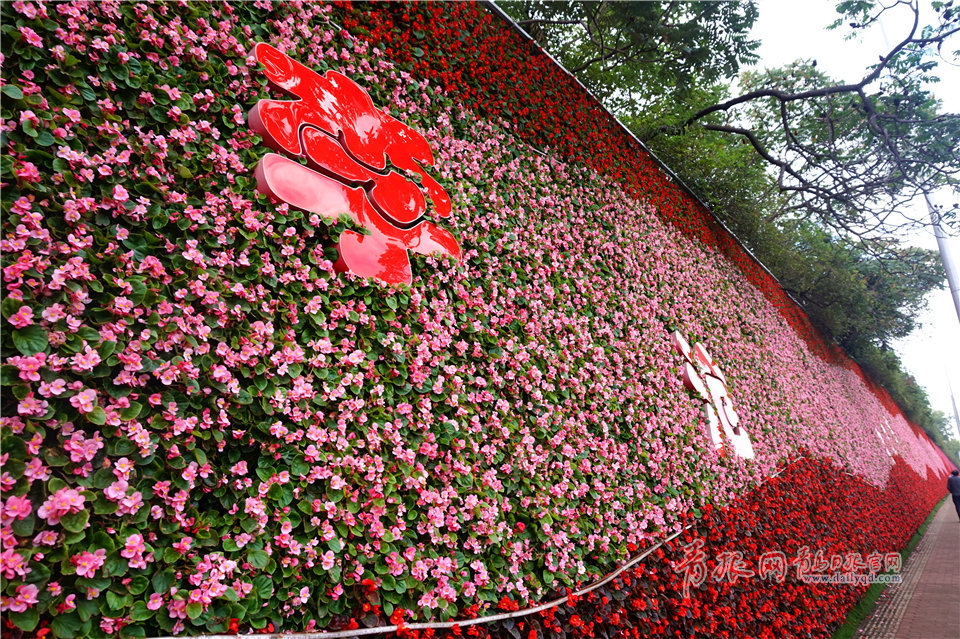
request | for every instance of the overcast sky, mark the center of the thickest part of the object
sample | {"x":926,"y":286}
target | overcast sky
{"x":793,"y":30}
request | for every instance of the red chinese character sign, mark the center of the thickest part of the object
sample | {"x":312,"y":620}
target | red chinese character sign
{"x":702,"y":375}
{"x":347,"y":141}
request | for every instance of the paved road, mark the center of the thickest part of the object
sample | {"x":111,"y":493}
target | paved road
{"x":927,"y":604}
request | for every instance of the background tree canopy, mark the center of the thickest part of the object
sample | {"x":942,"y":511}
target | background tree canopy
{"x":810,"y":173}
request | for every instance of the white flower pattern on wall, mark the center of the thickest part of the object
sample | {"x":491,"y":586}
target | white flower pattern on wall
{"x":703,"y":376}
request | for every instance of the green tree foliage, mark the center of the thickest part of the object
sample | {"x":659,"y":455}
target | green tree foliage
{"x":629,"y":52}
{"x":850,"y":156}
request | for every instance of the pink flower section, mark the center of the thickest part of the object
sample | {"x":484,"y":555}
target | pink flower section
{"x":64,"y":502}
{"x":85,"y":401}
{"x":16,"y":508}
{"x":25,"y":597}
{"x":31,"y":36}
{"x":22,"y":318}
{"x":88,"y":563}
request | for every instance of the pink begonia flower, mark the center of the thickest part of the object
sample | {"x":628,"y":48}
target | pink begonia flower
{"x":133,"y":546}
{"x":131,"y":504}
{"x":30,"y":405}
{"x":120,"y":194}
{"x":122,"y":468}
{"x":56,"y":387}
{"x":12,"y":564}
{"x":30,"y":366}
{"x":72,"y":114}
{"x":64,"y":502}
{"x":116,"y":491}
{"x":84,"y":402}
{"x":25,"y":598}
{"x":29,"y":116}
{"x":133,"y":551}
{"x":88,"y":563}
{"x":183,"y":546}
{"x":177,"y":609}
{"x":107,"y":624}
{"x":155,"y":601}
{"x":28,"y":172}
{"x":53,"y":313}
{"x":23,"y":317}
{"x":86,"y":361}
{"x":36,"y":471}
{"x":26,"y":9}
{"x":31,"y":36}
{"x":46,"y":538}
{"x":16,"y":508}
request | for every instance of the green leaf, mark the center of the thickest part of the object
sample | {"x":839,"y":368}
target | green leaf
{"x":106,"y":349}
{"x":26,"y":620}
{"x":162,"y":581}
{"x":263,"y":586}
{"x":14,"y":92}
{"x":258,"y":559}
{"x":131,"y":412}
{"x":134,"y":631}
{"x":23,"y":527}
{"x":30,"y":340}
{"x":45,"y":138}
{"x":10,"y":306}
{"x":86,"y":92}
{"x":140,"y":612}
{"x":194,"y":609}
{"x":92,"y":335}
{"x":97,"y":416}
{"x":75,"y":522}
{"x":103,"y":506}
{"x":138,"y":584}
{"x":67,"y":625}
{"x":115,"y":601}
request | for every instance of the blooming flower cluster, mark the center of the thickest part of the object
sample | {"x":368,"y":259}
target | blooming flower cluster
{"x":205,"y":428}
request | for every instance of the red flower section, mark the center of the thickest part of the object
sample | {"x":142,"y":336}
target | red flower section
{"x":478,"y":59}
{"x":812,"y":509}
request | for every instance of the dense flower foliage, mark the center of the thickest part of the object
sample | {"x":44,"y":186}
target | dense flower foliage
{"x":808,"y":510}
{"x":205,"y":428}
{"x":498,"y":73}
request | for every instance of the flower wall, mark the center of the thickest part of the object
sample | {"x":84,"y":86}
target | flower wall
{"x":205,"y":428}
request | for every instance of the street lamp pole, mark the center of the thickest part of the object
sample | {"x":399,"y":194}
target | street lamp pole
{"x":953,"y":275}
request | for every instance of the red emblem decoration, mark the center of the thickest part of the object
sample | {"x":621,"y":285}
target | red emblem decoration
{"x":703,"y":376}
{"x":346,"y":140}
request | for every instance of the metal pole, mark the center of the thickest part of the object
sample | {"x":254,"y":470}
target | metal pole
{"x":953,"y":399}
{"x":953,"y":275}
